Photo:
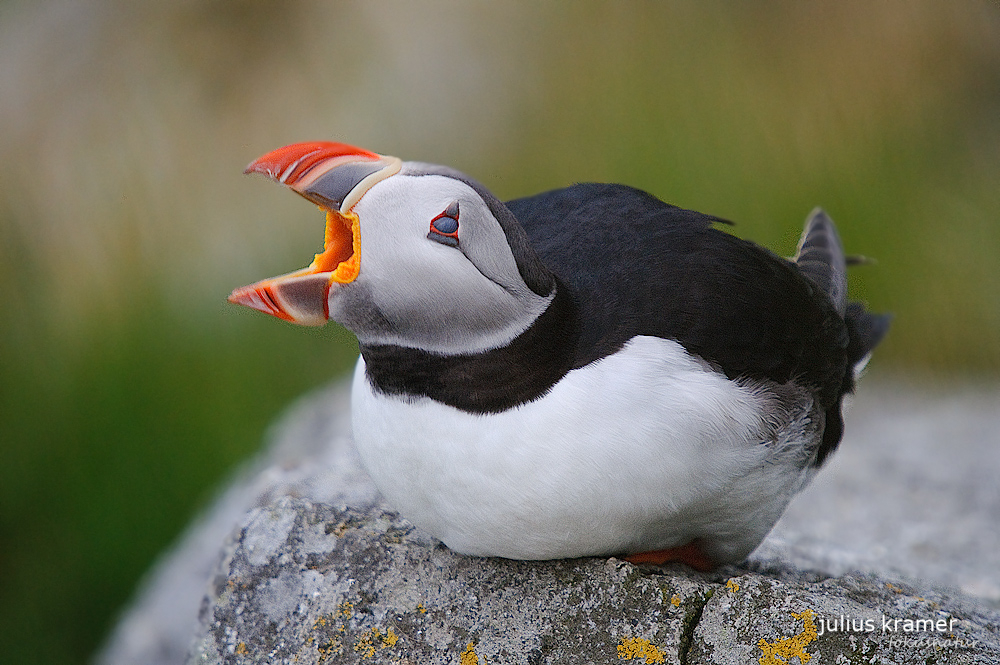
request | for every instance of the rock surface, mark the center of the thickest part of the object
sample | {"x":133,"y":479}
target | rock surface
{"x":911,"y":493}
{"x":316,"y":571}
{"x":313,"y":583}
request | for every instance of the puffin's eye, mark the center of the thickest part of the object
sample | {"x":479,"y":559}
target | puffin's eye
{"x":444,"y":227}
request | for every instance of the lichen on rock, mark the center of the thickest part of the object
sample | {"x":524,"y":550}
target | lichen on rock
{"x":313,"y":583}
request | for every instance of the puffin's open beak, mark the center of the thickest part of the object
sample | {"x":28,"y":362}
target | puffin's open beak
{"x":334,"y":176}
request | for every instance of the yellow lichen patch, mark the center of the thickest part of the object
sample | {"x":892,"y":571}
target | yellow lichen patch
{"x":365,"y":646}
{"x":328,"y":649}
{"x":242,"y":649}
{"x":733,"y":586}
{"x":636,"y":648}
{"x":421,"y":608}
{"x":346,"y":609}
{"x":781,"y":651}
{"x":676,"y":601}
{"x":469,"y":656}
{"x":373,"y":639}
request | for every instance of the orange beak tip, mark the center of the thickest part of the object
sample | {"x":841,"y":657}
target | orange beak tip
{"x":290,"y":163}
{"x":299,"y":297}
{"x":260,"y":298}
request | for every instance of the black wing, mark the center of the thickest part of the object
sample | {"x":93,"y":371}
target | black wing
{"x":638,"y":266}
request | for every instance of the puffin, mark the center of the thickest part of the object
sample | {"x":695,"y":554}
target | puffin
{"x":589,"y":371}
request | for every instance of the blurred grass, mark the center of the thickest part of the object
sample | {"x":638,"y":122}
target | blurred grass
{"x":109,"y":450}
{"x":128,"y":388}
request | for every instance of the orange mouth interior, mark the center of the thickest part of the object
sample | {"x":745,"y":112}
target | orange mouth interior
{"x":341,"y":255}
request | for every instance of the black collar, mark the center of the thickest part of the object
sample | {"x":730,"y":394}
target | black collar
{"x":487,"y":382}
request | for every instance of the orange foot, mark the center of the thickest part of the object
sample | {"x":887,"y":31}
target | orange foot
{"x":690,"y":554}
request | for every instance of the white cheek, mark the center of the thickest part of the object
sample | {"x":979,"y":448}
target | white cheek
{"x":410,"y":274}
{"x":430,"y":295}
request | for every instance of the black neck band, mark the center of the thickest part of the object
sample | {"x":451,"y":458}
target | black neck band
{"x":487,"y":382}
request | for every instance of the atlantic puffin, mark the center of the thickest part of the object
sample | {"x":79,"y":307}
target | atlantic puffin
{"x":585,"y":372}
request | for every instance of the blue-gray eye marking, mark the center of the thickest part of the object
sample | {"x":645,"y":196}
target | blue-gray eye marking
{"x":444,"y":227}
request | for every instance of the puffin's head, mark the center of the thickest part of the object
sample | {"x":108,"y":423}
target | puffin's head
{"x":415,"y":255}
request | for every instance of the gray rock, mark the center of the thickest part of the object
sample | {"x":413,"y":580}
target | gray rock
{"x":911,"y":494}
{"x":310,"y":583}
{"x":856,"y":618}
{"x":315,"y":568}
{"x":313,"y":583}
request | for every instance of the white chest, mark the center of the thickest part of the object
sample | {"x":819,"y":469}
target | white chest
{"x":641,"y":450}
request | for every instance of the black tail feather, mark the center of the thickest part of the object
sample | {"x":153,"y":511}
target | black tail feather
{"x":865,"y":331}
{"x":820,"y":257}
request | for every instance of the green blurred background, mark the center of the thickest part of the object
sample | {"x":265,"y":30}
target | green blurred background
{"x":129,"y":388}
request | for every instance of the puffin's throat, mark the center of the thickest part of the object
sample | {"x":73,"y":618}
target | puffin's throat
{"x":303,"y":296}
{"x":341,"y":255}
